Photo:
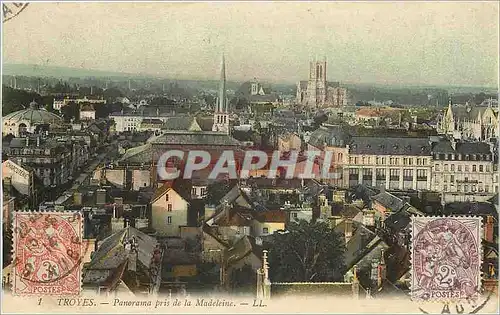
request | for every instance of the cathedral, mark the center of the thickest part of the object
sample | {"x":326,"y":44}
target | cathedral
{"x":317,"y":92}
{"x":479,"y":123}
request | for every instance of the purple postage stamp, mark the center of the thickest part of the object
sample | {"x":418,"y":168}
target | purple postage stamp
{"x":446,"y":258}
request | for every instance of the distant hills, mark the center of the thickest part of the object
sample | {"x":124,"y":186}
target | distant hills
{"x":66,"y":72}
{"x":59,"y":72}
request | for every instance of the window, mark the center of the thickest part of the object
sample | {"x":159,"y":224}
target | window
{"x":166,"y":197}
{"x":486,"y":188}
{"x":265,"y":230}
{"x":487,"y":168}
{"x":203,"y":192}
{"x":445,"y":188}
{"x":407,"y":175}
{"x":474,"y":168}
{"x":459,"y":188}
{"x":410,"y":161}
{"x":452,"y":167}
{"x":380,"y":173}
{"x":452,"y":178}
{"x":294,"y":215}
{"x":353,"y":173}
{"x":193,"y":191}
{"x":480,"y":168}
{"x":394,"y":174}
{"x":436,"y":167}
{"x":459,"y":167}
{"x":169,"y":207}
{"x":446,"y":167}
{"x":421,"y":175}
{"x":383,"y":160}
{"x":169,"y":220}
{"x":466,"y":168}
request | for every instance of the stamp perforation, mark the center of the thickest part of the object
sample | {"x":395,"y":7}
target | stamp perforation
{"x":480,"y":251}
{"x":76,"y":222}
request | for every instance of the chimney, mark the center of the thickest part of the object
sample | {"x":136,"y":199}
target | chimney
{"x":381,"y":270}
{"x":348,"y":230}
{"x":488,"y":229}
{"x":27,"y":141}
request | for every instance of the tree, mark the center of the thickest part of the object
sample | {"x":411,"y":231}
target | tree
{"x":307,"y":252}
{"x":216,"y":191}
{"x":71,"y":111}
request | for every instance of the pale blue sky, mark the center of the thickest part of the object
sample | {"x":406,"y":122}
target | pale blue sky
{"x":447,"y":43}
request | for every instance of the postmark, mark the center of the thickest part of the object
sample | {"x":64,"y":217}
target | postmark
{"x":446,"y":259}
{"x":12,"y":9}
{"x":48,"y":251}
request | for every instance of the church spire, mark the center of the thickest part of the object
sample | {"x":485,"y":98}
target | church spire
{"x":221,"y":117}
{"x":221,"y":105}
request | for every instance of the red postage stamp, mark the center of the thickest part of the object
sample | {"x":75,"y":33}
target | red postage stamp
{"x":47,"y":253}
{"x":446,"y":258}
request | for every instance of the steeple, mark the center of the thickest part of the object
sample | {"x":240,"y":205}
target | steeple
{"x":221,"y":117}
{"x":221,"y":104}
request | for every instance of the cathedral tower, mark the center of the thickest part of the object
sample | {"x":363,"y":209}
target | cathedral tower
{"x":317,"y":85}
{"x":221,"y":115}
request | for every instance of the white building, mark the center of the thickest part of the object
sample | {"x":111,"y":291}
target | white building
{"x":87,"y":112}
{"x":464,"y":171}
{"x":58,"y":104}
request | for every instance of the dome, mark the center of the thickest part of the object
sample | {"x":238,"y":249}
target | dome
{"x":27,"y":119}
{"x":329,"y":135}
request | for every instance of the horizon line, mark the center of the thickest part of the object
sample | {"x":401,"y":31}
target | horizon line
{"x":275,"y":81}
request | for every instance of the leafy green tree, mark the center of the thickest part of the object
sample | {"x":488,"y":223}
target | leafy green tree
{"x":307,"y":252}
{"x":71,"y":111}
{"x":217,"y":190}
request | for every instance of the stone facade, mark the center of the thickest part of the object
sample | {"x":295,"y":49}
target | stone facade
{"x":317,"y":92}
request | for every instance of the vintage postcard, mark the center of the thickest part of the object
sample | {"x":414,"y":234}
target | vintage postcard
{"x":250,"y":157}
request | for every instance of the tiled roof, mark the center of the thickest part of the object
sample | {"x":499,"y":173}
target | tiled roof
{"x":389,"y":201}
{"x":445,"y":146}
{"x":205,"y":123}
{"x":331,"y":135}
{"x":160,"y":191}
{"x":361,"y":242}
{"x":111,"y":253}
{"x":271,"y":216}
{"x":153,"y":121}
{"x":390,"y":146}
{"x":182,"y":123}
{"x":87,"y":107}
{"x":196,"y":138}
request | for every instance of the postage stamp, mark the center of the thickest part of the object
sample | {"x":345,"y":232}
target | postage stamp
{"x":47,"y":253}
{"x":446,"y":258}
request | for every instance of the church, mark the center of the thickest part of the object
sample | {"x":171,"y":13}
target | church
{"x":478,"y":123}
{"x":317,"y":92}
